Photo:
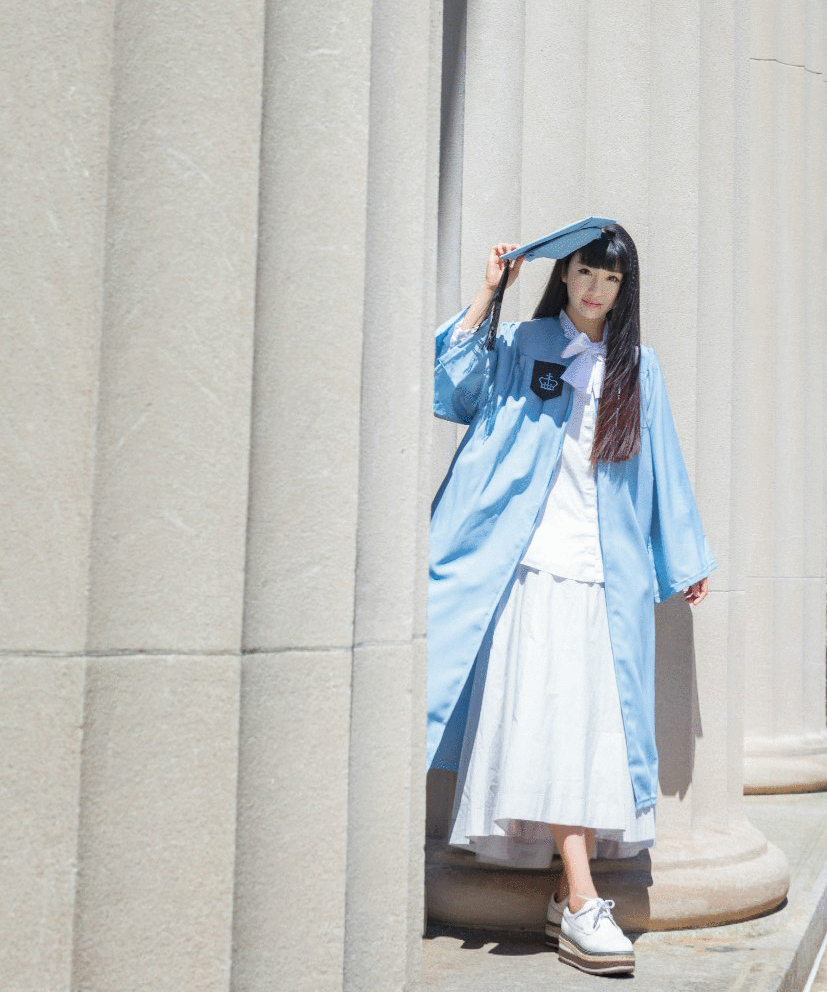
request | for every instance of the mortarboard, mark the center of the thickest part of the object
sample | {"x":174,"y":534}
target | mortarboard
{"x":559,"y":244}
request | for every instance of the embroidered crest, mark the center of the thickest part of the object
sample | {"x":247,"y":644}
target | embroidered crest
{"x":546,"y":379}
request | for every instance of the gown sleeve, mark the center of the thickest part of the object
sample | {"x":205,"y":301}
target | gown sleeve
{"x":461,"y":371}
{"x":680,"y":551}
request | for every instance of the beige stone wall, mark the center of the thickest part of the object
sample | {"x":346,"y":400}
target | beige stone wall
{"x":782,"y":530}
{"x":54,"y":122}
{"x":219,"y":243}
{"x":228,"y":229}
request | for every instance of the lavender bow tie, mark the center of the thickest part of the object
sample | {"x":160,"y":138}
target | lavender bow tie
{"x":586,"y":371}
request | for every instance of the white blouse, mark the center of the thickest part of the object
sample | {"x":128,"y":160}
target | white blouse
{"x":566,"y":539}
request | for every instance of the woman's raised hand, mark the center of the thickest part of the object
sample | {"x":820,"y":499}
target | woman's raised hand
{"x":493,"y":270}
{"x":494,"y":265}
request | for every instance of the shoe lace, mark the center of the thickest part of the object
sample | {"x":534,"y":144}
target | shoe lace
{"x":604,"y":908}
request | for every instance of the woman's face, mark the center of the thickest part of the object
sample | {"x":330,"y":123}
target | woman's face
{"x":592,"y":292}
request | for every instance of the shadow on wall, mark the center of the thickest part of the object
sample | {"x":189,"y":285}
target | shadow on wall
{"x":677,"y":709}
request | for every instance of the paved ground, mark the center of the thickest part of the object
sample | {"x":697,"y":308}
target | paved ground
{"x":771,"y":954}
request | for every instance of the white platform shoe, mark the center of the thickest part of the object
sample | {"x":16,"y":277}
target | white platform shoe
{"x":591,"y":940}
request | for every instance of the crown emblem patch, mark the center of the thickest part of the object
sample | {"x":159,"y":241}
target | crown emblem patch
{"x":547,"y":380}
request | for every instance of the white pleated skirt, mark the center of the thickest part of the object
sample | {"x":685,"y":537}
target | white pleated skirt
{"x":544,"y":743}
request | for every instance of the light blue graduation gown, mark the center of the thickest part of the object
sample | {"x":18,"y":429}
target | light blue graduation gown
{"x":651,"y":537}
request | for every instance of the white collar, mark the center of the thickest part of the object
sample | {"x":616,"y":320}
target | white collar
{"x":585,"y":373}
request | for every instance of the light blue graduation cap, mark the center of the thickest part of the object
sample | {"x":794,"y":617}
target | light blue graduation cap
{"x":559,"y":244}
{"x":563,"y":242}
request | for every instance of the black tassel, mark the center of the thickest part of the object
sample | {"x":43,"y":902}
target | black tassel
{"x":496,"y":305}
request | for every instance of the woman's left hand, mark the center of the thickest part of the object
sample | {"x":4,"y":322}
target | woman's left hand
{"x":696,"y":593}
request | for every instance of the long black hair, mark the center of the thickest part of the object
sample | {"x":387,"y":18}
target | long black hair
{"x":617,"y":432}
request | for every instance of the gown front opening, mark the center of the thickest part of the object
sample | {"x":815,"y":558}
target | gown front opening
{"x":544,"y":741}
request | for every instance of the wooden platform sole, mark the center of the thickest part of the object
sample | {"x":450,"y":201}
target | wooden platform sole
{"x":595,"y":964}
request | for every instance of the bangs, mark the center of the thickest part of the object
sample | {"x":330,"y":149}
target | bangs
{"x":606,"y":252}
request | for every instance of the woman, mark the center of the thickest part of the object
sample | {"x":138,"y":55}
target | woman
{"x":566,"y":513}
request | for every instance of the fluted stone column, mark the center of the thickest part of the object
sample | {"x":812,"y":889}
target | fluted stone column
{"x":301,"y":544}
{"x":53,"y":121}
{"x":646,"y":132}
{"x":782,"y":414}
{"x":329,"y":852}
{"x":158,"y":778}
{"x":493,"y":109}
{"x":386,"y":810}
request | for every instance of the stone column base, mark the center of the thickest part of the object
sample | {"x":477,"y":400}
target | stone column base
{"x":797,"y":765}
{"x":708,"y":878}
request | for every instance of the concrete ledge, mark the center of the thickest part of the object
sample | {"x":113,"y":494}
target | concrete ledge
{"x":791,"y":767}
{"x":710,"y":878}
{"x":771,"y":953}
